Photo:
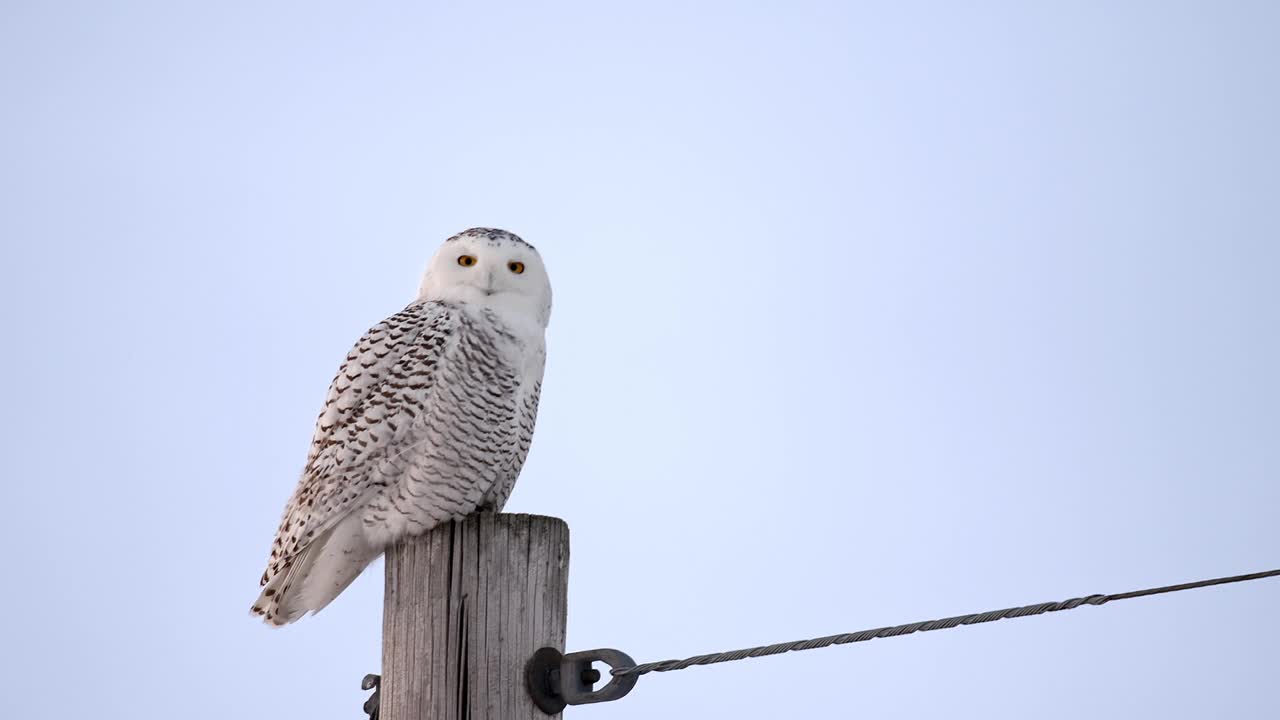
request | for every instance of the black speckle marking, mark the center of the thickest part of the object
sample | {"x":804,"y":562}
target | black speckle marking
{"x":493,"y":236}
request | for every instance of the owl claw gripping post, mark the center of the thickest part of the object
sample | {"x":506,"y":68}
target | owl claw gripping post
{"x":428,"y":420}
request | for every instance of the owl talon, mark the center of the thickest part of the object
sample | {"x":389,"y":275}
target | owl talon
{"x":371,"y":682}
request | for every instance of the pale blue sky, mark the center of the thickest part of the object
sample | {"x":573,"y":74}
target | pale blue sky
{"x":865,"y":313}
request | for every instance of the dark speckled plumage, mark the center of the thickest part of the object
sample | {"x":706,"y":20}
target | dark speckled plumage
{"x":429,"y":419}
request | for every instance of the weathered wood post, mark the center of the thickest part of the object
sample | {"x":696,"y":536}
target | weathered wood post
{"x":467,"y":605}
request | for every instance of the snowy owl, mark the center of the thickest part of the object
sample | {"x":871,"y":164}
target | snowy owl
{"x":428,"y":420}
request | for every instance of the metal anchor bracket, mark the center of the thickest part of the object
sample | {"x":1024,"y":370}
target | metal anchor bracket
{"x":556,"y":680}
{"x":374,"y":683}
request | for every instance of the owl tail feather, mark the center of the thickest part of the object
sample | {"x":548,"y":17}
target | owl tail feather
{"x":316,"y":576}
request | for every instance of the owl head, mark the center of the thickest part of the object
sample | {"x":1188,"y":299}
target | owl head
{"x":493,"y":268}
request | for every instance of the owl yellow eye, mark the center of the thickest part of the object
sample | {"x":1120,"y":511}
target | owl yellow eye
{"x":466,"y":260}
{"x":515,"y":266}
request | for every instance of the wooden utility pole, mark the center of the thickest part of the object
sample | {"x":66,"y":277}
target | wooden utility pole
{"x":467,"y":605}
